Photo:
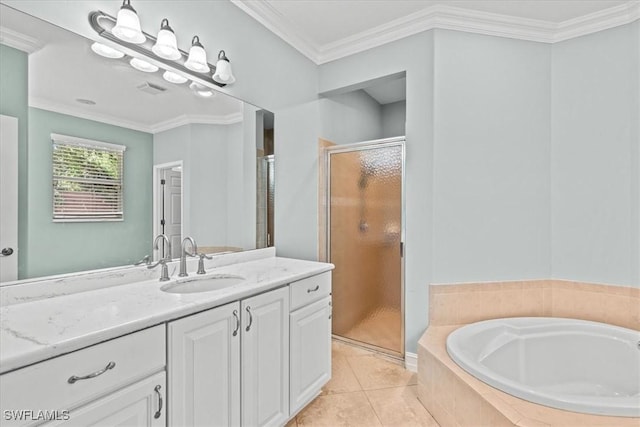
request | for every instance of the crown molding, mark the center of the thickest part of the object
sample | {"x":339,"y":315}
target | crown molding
{"x":181,"y":120}
{"x":441,"y":17}
{"x":200,"y":119}
{"x":270,"y":18}
{"x":19,"y":41}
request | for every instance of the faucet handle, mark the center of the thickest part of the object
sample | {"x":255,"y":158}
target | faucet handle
{"x":146,"y":260}
{"x":201,"y":263}
{"x":164,"y":275}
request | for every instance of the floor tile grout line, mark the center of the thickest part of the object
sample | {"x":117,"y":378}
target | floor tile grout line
{"x":373,"y":408}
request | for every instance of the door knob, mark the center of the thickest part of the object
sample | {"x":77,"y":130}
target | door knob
{"x":6,"y":251}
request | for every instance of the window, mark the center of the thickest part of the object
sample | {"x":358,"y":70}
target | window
{"x":87,"y":180}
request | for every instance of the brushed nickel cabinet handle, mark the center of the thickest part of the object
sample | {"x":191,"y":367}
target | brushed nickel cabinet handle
{"x":250,"y":318}
{"x":235,"y":331}
{"x":159,"y":411}
{"x":314,"y":289}
{"x":72,"y":379}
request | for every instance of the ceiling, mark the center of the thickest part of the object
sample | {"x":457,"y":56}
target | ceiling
{"x":63,"y":69}
{"x":325,"y":30}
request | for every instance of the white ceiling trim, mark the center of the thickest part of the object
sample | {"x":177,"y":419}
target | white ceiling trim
{"x":182,"y":120}
{"x":19,"y":41}
{"x":190,"y":119}
{"x":442,"y":17}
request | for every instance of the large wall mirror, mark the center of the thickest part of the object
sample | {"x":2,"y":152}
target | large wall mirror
{"x":195,"y":164}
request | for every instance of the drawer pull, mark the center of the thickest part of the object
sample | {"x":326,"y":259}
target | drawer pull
{"x":314,"y":289}
{"x":159,"y":411}
{"x":250,"y":318}
{"x":235,"y":314}
{"x":72,"y":379}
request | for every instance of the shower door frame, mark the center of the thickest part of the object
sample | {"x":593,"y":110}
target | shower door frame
{"x":361,"y":146}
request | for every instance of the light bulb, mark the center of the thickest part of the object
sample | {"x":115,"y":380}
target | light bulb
{"x":197,"y":60}
{"x":223,"y":72}
{"x":200,"y":90}
{"x":141,"y":65}
{"x":175,"y":78}
{"x":166,"y":45}
{"x":106,"y":51}
{"x":127,"y":26}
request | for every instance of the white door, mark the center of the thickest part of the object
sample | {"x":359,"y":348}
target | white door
{"x":265,"y":359}
{"x":171,"y":208}
{"x":141,"y":404}
{"x":8,"y":198}
{"x":310,"y":352}
{"x":204,"y":368}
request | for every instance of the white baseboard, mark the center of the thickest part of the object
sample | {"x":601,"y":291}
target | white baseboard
{"x":411,"y":362}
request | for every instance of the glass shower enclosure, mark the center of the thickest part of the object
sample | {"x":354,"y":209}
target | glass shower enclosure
{"x":364,"y":241}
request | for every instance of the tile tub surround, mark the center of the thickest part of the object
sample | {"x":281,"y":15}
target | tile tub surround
{"x":460,"y":304}
{"x":455,"y":398}
{"x":33,"y":331}
{"x":65,"y":284}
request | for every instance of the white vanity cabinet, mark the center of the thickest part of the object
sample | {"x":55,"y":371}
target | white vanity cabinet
{"x":213,"y":383}
{"x":140,"y":404}
{"x":310,"y":339}
{"x":113,"y":380}
{"x":204,"y":368}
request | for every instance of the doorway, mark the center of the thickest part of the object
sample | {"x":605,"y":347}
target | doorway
{"x":167,"y":217}
{"x":365,"y":234}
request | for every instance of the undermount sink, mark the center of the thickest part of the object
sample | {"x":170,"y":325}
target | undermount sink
{"x":190,"y":285}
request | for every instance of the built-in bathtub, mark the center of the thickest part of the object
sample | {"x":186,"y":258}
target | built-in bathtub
{"x":569,"y":364}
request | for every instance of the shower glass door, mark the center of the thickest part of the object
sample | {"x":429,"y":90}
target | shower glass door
{"x":364,"y":218}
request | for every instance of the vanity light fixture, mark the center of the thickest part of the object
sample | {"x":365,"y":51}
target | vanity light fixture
{"x":223,"y":72}
{"x":148,"y":52}
{"x":127,"y":26}
{"x":142,"y":65}
{"x":166,"y":45}
{"x":106,"y":51}
{"x":197,"y":60}
{"x":174,"y":78}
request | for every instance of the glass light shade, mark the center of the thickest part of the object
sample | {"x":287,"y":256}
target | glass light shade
{"x":223,"y":72}
{"x":127,"y":26}
{"x":141,"y":65}
{"x":197,"y":60}
{"x":175,"y":78}
{"x":166,"y":45}
{"x":106,"y":51}
{"x":200,"y":90}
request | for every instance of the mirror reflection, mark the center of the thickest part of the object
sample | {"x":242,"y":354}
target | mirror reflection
{"x":195,"y":163}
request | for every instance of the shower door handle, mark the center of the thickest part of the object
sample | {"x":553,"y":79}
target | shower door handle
{"x":401,"y":249}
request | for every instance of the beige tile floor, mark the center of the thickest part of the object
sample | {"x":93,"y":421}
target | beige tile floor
{"x":366,"y":389}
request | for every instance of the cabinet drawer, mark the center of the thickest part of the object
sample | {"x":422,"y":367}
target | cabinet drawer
{"x":48,"y":385}
{"x":311,"y":289}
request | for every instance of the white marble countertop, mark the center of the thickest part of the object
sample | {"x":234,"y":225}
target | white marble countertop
{"x":38,"y":330}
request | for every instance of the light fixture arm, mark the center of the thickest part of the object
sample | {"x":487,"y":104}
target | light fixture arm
{"x":102,"y":23}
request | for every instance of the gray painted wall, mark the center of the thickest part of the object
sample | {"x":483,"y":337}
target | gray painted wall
{"x":213,"y":176}
{"x":491,"y":188}
{"x":595,"y":178}
{"x":394,"y":116}
{"x":350,"y":117}
{"x":415,"y":56}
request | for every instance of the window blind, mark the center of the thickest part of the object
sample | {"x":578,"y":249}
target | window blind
{"x":87,"y":180}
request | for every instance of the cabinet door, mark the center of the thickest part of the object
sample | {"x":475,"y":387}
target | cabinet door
{"x":310,"y":352}
{"x":204,"y":368}
{"x":140,"y":404}
{"x":265,"y":359}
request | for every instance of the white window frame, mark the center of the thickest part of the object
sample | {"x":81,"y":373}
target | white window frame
{"x":57,"y":139}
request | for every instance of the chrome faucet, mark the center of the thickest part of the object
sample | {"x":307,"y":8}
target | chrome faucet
{"x":164,"y":275}
{"x":184,"y":253}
